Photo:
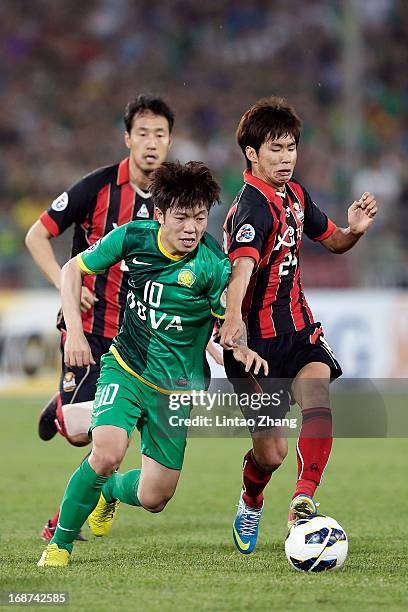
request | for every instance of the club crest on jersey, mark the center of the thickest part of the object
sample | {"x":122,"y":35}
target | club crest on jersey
{"x":246,"y":233}
{"x":143,"y":212}
{"x":93,"y":246}
{"x":186,"y":277}
{"x":69,"y":382}
{"x":60,"y":203}
{"x":298,"y":211}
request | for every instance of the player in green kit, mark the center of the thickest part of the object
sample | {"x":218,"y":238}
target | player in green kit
{"x":178,"y":275}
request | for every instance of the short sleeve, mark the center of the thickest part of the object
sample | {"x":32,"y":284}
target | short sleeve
{"x":317,"y":225}
{"x":70,"y":207}
{"x":104,"y":253}
{"x":217,"y":291}
{"x":250,"y":227}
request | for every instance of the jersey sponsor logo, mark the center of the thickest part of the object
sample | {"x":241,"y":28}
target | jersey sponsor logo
{"x":143,"y":212}
{"x":60,"y":203}
{"x":246,"y":233}
{"x":186,"y":277}
{"x":287,"y":239}
{"x":93,"y":246}
{"x":152,"y":295}
{"x":137,"y":262}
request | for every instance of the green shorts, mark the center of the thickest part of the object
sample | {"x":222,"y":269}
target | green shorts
{"x":124,"y":401}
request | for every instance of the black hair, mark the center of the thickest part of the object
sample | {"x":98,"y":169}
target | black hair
{"x":147,"y":103}
{"x":268,"y":119}
{"x":178,"y":186}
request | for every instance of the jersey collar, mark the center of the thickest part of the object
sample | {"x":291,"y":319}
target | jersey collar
{"x":269,"y":192}
{"x":124,"y":177}
{"x":123,"y":172}
{"x":164,"y":251}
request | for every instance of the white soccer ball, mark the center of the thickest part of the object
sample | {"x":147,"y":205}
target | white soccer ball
{"x":316,"y":544}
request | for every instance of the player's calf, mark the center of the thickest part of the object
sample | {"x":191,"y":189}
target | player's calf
{"x":157,"y":485}
{"x":76,"y":422}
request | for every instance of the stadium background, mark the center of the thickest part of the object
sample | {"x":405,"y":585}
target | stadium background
{"x":66,"y":71}
{"x":69,"y":67}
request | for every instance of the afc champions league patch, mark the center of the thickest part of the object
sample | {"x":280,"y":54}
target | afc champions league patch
{"x":69,"y":383}
{"x":60,"y":203}
{"x":186,"y":277}
{"x":246,"y":233}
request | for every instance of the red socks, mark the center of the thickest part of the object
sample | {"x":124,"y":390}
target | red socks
{"x":54,"y":519}
{"x":313,"y":448}
{"x":313,"y":452}
{"x":59,"y":421}
{"x":255,"y":480}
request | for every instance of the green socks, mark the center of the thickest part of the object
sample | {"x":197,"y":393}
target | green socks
{"x":123,"y":487}
{"x":80,"y":498}
{"x":82,"y":495}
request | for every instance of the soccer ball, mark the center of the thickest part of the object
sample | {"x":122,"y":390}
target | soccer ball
{"x":316,"y":544}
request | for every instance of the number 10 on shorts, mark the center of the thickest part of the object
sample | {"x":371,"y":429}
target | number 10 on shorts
{"x":107,"y":395}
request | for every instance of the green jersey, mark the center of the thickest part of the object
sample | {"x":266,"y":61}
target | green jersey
{"x":171,"y":304}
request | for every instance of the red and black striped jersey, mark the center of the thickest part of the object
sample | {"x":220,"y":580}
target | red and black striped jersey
{"x":268,"y":226}
{"x":95,"y":205}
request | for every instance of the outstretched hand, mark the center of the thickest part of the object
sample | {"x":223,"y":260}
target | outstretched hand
{"x":361,"y":213}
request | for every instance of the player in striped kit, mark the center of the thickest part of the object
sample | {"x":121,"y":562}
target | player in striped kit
{"x":104,"y":199}
{"x":265,"y":299}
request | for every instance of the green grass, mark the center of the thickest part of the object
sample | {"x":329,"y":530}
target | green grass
{"x":184,"y":558}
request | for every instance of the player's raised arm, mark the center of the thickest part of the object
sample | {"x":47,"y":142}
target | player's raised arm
{"x":95,"y":260}
{"x":361,"y":215}
{"x":38,"y":243}
{"x":232,"y":327}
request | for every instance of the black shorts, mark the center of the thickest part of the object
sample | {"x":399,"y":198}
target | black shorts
{"x":286,"y":356}
{"x":79,"y":384}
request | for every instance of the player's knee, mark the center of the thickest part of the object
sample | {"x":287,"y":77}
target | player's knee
{"x":106,"y":462}
{"x":271,"y":459}
{"x":155,"y":502}
{"x":313,"y":393}
{"x":78,"y":440}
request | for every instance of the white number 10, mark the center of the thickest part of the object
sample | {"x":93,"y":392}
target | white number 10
{"x":152,"y":288}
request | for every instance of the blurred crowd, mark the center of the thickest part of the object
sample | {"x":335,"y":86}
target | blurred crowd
{"x":68,"y":68}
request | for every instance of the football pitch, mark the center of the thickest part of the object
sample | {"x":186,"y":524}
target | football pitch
{"x":184,"y":558}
